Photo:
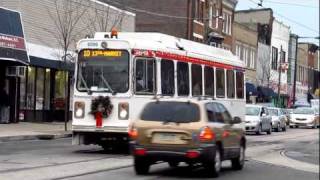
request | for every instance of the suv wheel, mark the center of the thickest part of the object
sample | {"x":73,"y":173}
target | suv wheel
{"x":258,"y":132}
{"x":141,"y":166}
{"x":213,"y":168}
{"x":238,"y":163}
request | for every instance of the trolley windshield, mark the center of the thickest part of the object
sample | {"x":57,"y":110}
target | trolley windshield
{"x":103,"y":71}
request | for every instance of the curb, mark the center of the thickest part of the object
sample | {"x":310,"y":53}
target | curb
{"x":35,"y":137}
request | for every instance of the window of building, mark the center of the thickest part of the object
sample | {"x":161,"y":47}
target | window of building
{"x":252,"y":59}
{"x":183,"y":78}
{"x":209,"y":81}
{"x":220,"y":83}
{"x":216,"y":18}
{"x":47,"y":89}
{"x":199,"y":10}
{"x":283,"y":57}
{"x":211,"y":18}
{"x":230,"y":84}
{"x":274,"y":60}
{"x":145,"y":76}
{"x":31,"y":88}
{"x":227,"y":23}
{"x":238,"y":50}
{"x":239,"y":84}
{"x":23,"y":85}
{"x":40,"y":89}
{"x":167,"y":77}
{"x":196,"y":73}
{"x":60,"y":84}
{"x":245,"y":55}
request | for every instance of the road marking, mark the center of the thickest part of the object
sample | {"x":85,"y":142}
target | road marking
{"x":66,"y":170}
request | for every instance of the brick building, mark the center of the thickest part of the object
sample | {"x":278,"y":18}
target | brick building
{"x":207,"y":21}
{"x":245,"y":46}
{"x":307,"y":69}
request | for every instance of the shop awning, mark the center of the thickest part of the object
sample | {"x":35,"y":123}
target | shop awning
{"x":251,"y":90}
{"x":266,"y":92}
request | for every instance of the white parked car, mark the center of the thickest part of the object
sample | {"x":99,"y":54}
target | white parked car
{"x":257,"y":119}
{"x":278,"y":119}
{"x":304,"y":116}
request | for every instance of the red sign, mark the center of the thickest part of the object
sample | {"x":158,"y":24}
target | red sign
{"x":12,"y":42}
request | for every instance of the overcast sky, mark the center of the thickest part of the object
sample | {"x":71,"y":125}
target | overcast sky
{"x":301,"y":15}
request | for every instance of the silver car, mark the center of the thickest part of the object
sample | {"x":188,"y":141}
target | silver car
{"x":305,"y":116}
{"x":278,"y":119}
{"x":257,"y":119}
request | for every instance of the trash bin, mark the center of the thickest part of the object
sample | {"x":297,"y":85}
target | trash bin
{"x":4,"y":114}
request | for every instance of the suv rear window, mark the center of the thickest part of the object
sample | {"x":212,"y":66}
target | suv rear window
{"x":179,"y":112}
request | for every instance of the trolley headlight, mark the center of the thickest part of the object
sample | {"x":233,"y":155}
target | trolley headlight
{"x":123,"y":111}
{"x":79,"y":109}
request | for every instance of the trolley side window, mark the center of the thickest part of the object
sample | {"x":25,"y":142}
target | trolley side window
{"x":230,"y":84}
{"x":240,"y":89}
{"x":145,"y":76}
{"x":167,"y":77}
{"x":220,"y":83}
{"x":209,"y":81}
{"x":183,"y":78}
{"x":196,"y":71}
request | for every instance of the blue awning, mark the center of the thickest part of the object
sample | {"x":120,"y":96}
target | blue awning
{"x":266,"y":92}
{"x":251,"y":90}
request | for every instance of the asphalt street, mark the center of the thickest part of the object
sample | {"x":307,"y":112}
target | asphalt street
{"x":291,"y":155}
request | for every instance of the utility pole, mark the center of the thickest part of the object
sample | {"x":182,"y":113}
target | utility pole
{"x":279,"y":82}
{"x":295,"y":72}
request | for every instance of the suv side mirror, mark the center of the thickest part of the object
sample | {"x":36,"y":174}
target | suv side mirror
{"x":236,"y":120}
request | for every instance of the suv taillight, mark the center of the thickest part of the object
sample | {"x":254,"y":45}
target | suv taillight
{"x":206,"y":134}
{"x":133,"y":133}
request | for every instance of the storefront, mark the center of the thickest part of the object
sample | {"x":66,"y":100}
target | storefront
{"x":13,"y":60}
{"x":42,"y":89}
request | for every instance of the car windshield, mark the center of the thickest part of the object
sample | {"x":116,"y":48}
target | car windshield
{"x":252,"y":111}
{"x":303,"y":111}
{"x":273,"y":112}
{"x":103,"y":71}
{"x":179,"y":112}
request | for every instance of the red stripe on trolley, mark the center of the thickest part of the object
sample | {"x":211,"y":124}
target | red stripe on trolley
{"x":172,"y":56}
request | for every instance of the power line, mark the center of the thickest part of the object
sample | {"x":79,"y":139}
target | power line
{"x":163,"y":15}
{"x":291,"y":4}
{"x":289,"y":19}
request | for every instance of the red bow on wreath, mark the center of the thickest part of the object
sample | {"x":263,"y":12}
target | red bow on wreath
{"x":101,"y":107}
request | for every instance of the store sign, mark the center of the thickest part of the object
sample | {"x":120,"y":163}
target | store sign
{"x":12,"y":42}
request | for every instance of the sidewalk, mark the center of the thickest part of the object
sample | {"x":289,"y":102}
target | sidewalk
{"x":33,"y":130}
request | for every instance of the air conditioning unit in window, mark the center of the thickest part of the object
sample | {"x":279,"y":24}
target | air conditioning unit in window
{"x":16,"y":71}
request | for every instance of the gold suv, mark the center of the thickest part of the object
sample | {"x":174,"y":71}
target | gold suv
{"x":194,"y":132}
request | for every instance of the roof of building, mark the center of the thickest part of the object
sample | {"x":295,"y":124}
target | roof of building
{"x":253,"y":10}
